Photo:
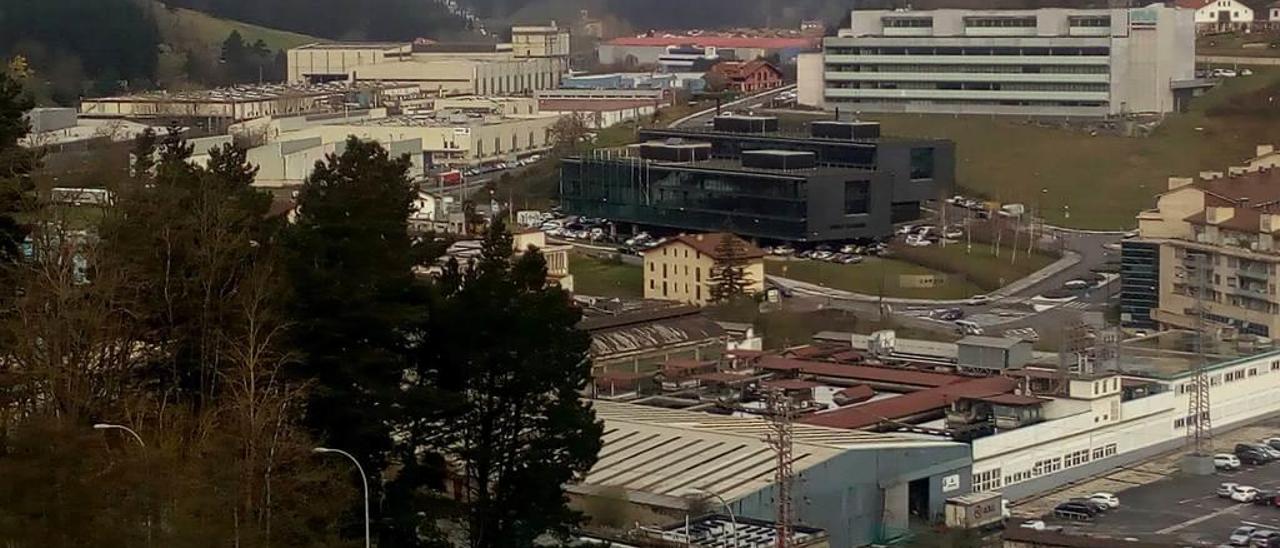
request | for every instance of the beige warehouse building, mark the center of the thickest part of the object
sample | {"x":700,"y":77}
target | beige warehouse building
{"x":328,"y":62}
{"x":681,"y":268}
{"x":463,"y":76}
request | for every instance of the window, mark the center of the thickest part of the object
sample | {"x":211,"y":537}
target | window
{"x":664,"y":270}
{"x":922,"y":162}
{"x":652,"y":265}
{"x":989,"y":480}
{"x":698,"y":291}
{"x":497,"y":145}
{"x":697,"y":274}
{"x":1075,"y":458}
{"x":1000,"y":22}
{"x":908,"y":22}
{"x":857,"y":197}
{"x":651,"y":283}
{"x":664,"y":289}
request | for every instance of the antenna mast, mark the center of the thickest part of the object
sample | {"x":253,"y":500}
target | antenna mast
{"x":781,"y":419}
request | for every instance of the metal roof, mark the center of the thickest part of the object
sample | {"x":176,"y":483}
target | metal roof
{"x":990,"y":342}
{"x":671,"y":452}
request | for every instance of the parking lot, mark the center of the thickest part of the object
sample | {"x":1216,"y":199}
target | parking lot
{"x":1156,"y":501}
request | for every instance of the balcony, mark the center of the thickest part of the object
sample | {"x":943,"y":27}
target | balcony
{"x":1254,"y":274}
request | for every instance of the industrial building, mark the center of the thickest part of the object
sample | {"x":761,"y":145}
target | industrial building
{"x":650,"y":49}
{"x":327,"y":62}
{"x":1043,"y":62}
{"x":216,"y":109}
{"x":841,"y":182}
{"x":600,"y":113}
{"x":1209,"y":236}
{"x":464,"y":76}
{"x":861,"y":487}
{"x":550,"y":40}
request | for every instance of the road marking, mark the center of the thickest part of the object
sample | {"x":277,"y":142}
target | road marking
{"x":1201,"y":519}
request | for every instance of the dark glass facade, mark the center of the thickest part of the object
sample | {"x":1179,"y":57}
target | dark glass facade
{"x":859,"y":188}
{"x":1139,"y":283}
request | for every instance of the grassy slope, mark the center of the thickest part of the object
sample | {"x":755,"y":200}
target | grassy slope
{"x":1104,"y":180}
{"x":180,"y":25}
{"x":601,"y":278}
{"x":865,"y":277}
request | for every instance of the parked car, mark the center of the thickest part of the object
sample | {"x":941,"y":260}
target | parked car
{"x":1240,"y":536}
{"x":1256,"y":448}
{"x":1109,"y":499}
{"x":852,"y":259}
{"x":950,"y":314}
{"x":1226,"y":489}
{"x":1075,"y":510}
{"x":1264,"y":538}
{"x":784,"y":250}
{"x":1273,"y":442}
{"x":953,"y":233}
{"x":1226,"y":461}
{"x":968,"y":327}
{"x":822,"y":255}
{"x":1266,"y":498}
{"x":916,"y":240}
{"x":1269,"y":451}
{"x":1099,"y":507}
{"x":1253,"y":458}
{"x":979,"y":300}
{"x":1076,"y":285}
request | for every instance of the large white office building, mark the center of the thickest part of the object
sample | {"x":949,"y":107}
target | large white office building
{"x":1044,"y":62}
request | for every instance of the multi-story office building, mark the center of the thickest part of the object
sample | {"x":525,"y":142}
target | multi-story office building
{"x":840,"y":182}
{"x":1209,"y":245}
{"x":1045,"y":62}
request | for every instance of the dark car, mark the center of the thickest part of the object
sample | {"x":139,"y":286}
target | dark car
{"x":1074,"y":510}
{"x":1252,"y":457}
{"x":1266,"y":498}
{"x":1098,"y":506}
{"x":1264,"y":538}
{"x":1257,"y":452}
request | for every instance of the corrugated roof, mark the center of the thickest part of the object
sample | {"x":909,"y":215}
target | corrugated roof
{"x":591,"y":105}
{"x":859,"y":372}
{"x":915,"y":403}
{"x":990,"y":342}
{"x":659,"y":333}
{"x":671,"y":452}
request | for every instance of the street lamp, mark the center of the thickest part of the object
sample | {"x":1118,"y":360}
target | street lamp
{"x":729,"y":509}
{"x":364,"y":480}
{"x":105,"y":426}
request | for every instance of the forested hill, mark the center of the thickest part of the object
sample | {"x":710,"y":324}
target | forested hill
{"x":340,"y":19}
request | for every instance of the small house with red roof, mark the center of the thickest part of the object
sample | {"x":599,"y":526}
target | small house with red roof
{"x":747,"y":76}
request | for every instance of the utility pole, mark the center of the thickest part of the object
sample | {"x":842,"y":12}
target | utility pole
{"x":1199,"y":427}
{"x":779,"y":436}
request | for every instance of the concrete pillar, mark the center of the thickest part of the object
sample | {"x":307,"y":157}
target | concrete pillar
{"x":896,"y":512}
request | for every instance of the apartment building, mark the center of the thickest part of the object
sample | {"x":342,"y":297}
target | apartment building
{"x":1044,"y":62}
{"x":540,"y":41}
{"x":681,"y":268}
{"x":1210,"y":241}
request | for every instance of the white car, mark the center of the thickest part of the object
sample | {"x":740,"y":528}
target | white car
{"x":1226,"y":461}
{"x":979,"y":300}
{"x":1244,"y":494}
{"x":1108,"y":499}
{"x":784,"y":250}
{"x":1240,"y":536}
{"x":916,"y":240}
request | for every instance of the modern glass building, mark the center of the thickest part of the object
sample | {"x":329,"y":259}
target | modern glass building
{"x":745,"y":177}
{"x":1139,"y":282}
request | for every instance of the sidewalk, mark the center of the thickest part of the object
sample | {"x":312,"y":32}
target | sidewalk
{"x":1068,"y":260}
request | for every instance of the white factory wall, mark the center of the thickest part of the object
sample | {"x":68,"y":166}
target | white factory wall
{"x":600,"y":119}
{"x":1033,"y":459}
{"x":810,"y":83}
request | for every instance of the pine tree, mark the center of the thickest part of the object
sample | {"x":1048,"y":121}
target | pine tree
{"x":728,"y":276}
{"x":16,"y":164}
{"x":501,"y":365}
{"x":350,"y":261}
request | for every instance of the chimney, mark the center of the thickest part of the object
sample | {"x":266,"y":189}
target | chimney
{"x":1210,"y":175}
{"x":699,"y":237}
{"x":1267,"y":223}
{"x":1218,"y":215}
{"x":1264,"y":150}
{"x":1179,"y":182}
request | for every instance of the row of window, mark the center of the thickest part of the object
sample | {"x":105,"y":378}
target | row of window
{"x":973,"y":69}
{"x":675,"y":269}
{"x":907,"y":22}
{"x":1000,"y":22}
{"x":968,"y":50}
{"x":999,"y":102}
{"x":1230,"y":376}
{"x":991,"y":480}
{"x":972,"y":86}
{"x":515,"y":144}
{"x":1189,"y":420}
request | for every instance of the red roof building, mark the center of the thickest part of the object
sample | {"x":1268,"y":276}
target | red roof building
{"x":911,"y":407}
{"x":749,"y":76}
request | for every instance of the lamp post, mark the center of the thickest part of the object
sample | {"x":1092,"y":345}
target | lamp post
{"x":732,"y":519}
{"x":105,"y":426}
{"x":136,"y":437}
{"x":364,"y":480}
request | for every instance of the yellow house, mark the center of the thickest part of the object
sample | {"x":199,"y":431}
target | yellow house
{"x":680,"y":269}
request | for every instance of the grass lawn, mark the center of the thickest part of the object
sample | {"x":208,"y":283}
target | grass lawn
{"x":979,"y":265}
{"x":865,"y":277}
{"x":604,"y":278}
{"x":1102,"y":181}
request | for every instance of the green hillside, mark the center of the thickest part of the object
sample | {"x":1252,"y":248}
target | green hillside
{"x":178,"y":25}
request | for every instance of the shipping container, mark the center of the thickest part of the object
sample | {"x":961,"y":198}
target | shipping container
{"x":975,"y":511}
